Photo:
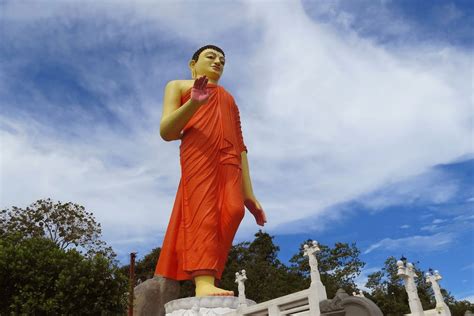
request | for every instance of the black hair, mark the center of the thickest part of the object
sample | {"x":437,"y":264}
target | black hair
{"x":199,"y":51}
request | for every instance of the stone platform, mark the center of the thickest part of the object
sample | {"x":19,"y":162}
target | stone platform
{"x":207,"y":305}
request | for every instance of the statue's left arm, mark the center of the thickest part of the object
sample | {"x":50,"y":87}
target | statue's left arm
{"x":250,"y":200}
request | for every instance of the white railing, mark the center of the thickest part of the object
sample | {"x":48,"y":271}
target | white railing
{"x":300,"y":303}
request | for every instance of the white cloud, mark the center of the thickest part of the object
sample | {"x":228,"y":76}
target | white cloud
{"x":130,"y":200}
{"x":448,"y":13}
{"x":433,"y":187}
{"x":430,"y":228}
{"x":468,"y":267}
{"x":405,"y":226}
{"x":327,"y":116}
{"x":418,"y":243}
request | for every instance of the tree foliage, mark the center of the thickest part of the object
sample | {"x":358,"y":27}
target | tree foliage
{"x":339,"y":266}
{"x":459,"y":308}
{"x":388,"y":291}
{"x":66,"y":224}
{"x":40,"y":278}
{"x":144,"y":268}
{"x":268,"y":277}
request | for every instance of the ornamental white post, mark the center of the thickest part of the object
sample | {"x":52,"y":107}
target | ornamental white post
{"x":433,"y":278}
{"x":240,"y":278}
{"x":407,"y":272}
{"x":310,"y":251}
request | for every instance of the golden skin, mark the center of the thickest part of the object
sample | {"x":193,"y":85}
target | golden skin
{"x":208,"y":68}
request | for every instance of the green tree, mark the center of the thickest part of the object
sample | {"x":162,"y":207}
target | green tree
{"x":66,"y":224}
{"x":339,"y":266}
{"x":40,"y":278}
{"x":268,"y":277}
{"x":145,"y":267}
{"x":388,"y":291}
{"x":457,"y":308}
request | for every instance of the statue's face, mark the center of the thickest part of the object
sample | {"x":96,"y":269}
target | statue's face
{"x":210,"y":63}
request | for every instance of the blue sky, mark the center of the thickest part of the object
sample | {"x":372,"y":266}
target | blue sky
{"x":357,"y":116}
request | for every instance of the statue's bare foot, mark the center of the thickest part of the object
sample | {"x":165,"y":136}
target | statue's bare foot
{"x":211,"y":290}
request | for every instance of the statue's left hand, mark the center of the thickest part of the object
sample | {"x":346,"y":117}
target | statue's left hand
{"x":256,"y":209}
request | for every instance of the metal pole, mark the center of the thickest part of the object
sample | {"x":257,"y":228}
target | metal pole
{"x":132,"y":283}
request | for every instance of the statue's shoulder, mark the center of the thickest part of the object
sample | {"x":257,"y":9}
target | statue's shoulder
{"x":180,"y":85}
{"x":183,"y":85}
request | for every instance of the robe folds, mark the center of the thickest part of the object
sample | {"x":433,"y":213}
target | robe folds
{"x":209,"y":202}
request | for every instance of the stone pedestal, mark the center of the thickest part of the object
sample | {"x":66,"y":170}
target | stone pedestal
{"x":153,"y":294}
{"x":204,"y":306}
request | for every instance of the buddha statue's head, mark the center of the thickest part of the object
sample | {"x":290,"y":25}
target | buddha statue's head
{"x":208,"y":60}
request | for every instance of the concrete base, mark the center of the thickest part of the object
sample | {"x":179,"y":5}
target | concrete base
{"x":207,"y":305}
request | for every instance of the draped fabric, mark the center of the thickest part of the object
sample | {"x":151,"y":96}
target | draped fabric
{"x":209,"y":203}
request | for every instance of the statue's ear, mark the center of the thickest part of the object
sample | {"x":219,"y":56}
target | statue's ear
{"x":191,"y":65}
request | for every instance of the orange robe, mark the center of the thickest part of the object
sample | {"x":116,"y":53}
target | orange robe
{"x":209,"y":203}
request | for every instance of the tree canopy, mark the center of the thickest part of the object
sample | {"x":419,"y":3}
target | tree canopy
{"x":66,"y":224}
{"x":40,"y":278}
{"x":339,"y":266}
{"x":52,"y":262}
{"x":388,"y":292}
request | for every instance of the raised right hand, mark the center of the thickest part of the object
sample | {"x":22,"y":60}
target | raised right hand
{"x":199,"y":92}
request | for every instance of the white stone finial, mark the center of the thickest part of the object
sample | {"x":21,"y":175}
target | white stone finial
{"x":361,"y":294}
{"x":310,"y":250}
{"x":240,"y":278}
{"x":400,"y":267}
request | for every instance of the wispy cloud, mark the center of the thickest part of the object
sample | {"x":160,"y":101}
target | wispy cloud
{"x":414,"y":243}
{"x":468,"y":267}
{"x":395,"y":23}
{"x":441,"y":233}
{"x":361,"y":280}
{"x":433,"y":187}
{"x":469,"y":298}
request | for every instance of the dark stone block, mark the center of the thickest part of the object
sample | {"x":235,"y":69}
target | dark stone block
{"x":152,"y":295}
